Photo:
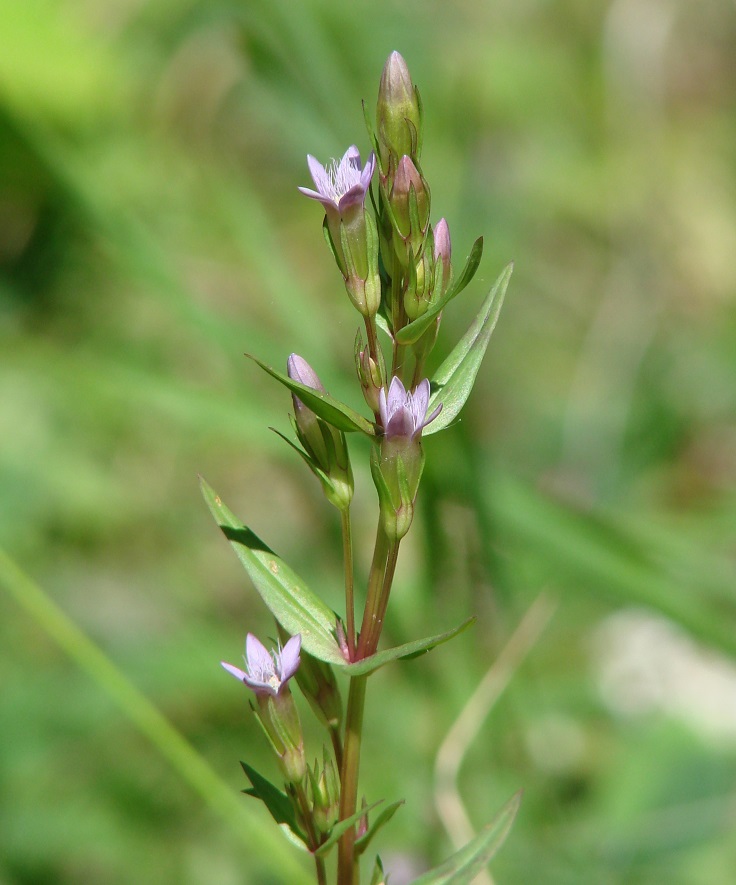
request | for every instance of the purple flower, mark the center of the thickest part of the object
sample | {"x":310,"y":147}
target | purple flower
{"x":267,"y":672}
{"x":341,"y":184}
{"x":403,"y":413}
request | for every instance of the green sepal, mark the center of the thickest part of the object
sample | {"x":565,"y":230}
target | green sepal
{"x":371,"y":134}
{"x":341,"y":827}
{"x":288,"y":598}
{"x":330,"y":243}
{"x":464,"y":865}
{"x":404,"y":652}
{"x":414,"y":330}
{"x":327,"y":407}
{"x":277,"y":802}
{"x":383,"y":818}
{"x":383,"y":325}
{"x":454,"y":379}
{"x":378,"y":877}
{"x":420,"y":131}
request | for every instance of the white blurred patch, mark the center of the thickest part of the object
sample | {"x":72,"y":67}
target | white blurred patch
{"x":645,"y":664}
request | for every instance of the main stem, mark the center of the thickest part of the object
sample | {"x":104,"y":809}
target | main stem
{"x":347,"y":551}
{"x":347,"y":867}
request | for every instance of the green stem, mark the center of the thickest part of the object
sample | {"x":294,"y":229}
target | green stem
{"x":347,"y":867}
{"x":347,"y":552}
{"x":336,"y":745}
{"x":382,"y":603}
{"x":375,"y":584}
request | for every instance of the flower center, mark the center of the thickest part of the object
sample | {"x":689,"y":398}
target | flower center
{"x":341,"y":176}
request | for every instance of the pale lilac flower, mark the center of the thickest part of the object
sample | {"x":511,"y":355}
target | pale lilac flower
{"x":340,"y":184}
{"x":267,"y":672}
{"x":403,"y":413}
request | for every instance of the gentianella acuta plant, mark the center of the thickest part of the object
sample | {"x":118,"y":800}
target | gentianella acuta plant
{"x":397,"y":270}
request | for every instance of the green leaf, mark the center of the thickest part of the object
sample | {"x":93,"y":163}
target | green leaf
{"x":341,"y":827}
{"x":289,"y":599}
{"x":383,"y":818}
{"x":414,"y":331}
{"x":401,"y":652}
{"x":277,"y":802}
{"x":464,"y":866}
{"x":454,"y":379}
{"x":332,"y":410}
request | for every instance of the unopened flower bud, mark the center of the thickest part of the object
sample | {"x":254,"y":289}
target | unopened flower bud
{"x":398,"y":113}
{"x":409,"y":200}
{"x":325,"y":790}
{"x":443,"y":251}
{"x":419,"y":292}
{"x":325,"y":446}
{"x":369,"y":376}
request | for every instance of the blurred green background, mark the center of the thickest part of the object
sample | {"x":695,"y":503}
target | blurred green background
{"x":151,"y":232}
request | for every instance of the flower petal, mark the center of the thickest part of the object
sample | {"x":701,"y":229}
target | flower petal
{"x":327,"y":202}
{"x":257,"y":658}
{"x":318,"y":172}
{"x":396,"y":396}
{"x":239,"y":674}
{"x":289,"y":658}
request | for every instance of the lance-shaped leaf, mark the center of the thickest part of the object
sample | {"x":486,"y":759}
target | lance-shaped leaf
{"x":332,"y":410}
{"x":454,"y":379}
{"x":383,"y":818}
{"x":414,"y":331}
{"x":402,"y":652}
{"x":341,"y":827}
{"x":289,"y":599}
{"x":464,"y":866}
{"x":277,"y":802}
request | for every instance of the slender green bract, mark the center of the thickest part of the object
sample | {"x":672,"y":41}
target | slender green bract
{"x":332,"y":410}
{"x":464,"y":866}
{"x":288,"y":598}
{"x":454,"y":379}
{"x":402,"y":652}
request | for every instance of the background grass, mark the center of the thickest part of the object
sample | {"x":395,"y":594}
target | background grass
{"x":151,"y":232}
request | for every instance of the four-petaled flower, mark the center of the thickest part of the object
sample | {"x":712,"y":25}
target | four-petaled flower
{"x":341,"y":184}
{"x":267,"y":672}
{"x":403,"y":413}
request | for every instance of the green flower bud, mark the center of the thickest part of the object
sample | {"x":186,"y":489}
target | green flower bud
{"x":398,"y":113}
{"x":325,"y":446}
{"x":409,"y":202}
{"x":369,"y":375}
{"x":325,"y":794}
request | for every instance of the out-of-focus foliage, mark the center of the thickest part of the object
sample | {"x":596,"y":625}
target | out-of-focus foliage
{"x":151,"y":231}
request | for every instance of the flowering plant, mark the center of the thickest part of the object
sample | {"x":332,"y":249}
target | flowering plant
{"x":398,"y":274}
